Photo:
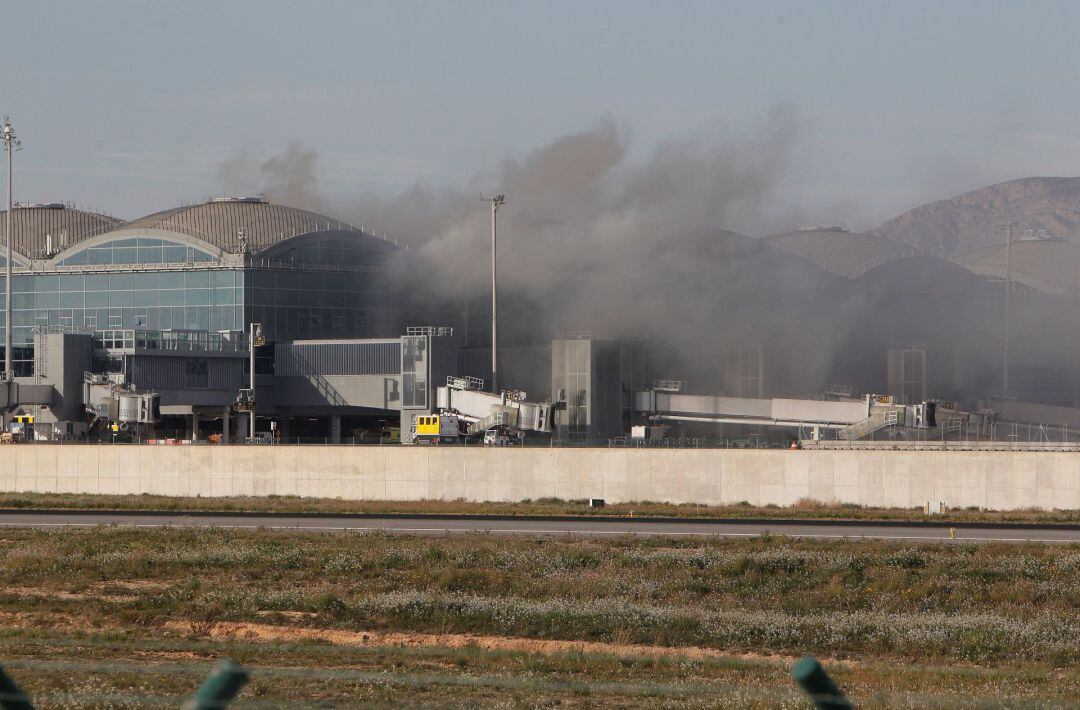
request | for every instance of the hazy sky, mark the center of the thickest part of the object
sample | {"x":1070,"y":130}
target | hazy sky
{"x":132,"y":107}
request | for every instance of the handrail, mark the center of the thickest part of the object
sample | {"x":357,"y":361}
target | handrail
{"x":336,"y":225}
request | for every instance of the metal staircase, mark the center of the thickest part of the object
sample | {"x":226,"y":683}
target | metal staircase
{"x":878,"y":419}
{"x":501,"y":415}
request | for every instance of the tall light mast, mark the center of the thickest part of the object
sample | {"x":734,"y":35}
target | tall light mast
{"x":1008,"y":307}
{"x":495,"y":201}
{"x":11,"y":144}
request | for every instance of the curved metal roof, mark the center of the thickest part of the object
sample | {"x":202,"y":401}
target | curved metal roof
{"x":848,"y":254}
{"x":1048,"y":265}
{"x":67,"y":226}
{"x":219,"y":222}
{"x":921,"y":274}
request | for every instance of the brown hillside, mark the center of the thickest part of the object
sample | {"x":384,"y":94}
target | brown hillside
{"x":979,"y":218}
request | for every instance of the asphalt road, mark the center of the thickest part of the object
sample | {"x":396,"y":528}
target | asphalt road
{"x":441,"y":525}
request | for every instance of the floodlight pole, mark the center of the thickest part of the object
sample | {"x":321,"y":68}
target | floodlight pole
{"x":495,"y":201}
{"x":1008,"y":308}
{"x":254,"y":335}
{"x":11,"y":144}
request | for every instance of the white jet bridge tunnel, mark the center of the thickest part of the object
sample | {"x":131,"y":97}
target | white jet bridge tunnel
{"x":659,"y":406}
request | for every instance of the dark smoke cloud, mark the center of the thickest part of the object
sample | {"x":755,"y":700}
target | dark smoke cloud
{"x":592,"y":238}
{"x":288,"y":178}
{"x":581,"y":204}
{"x":595,"y":236}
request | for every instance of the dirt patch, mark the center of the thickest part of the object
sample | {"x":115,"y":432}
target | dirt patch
{"x":173,"y":655}
{"x":53,"y":621}
{"x":268,"y":632}
{"x":60,"y":594}
{"x":134,"y":584}
{"x":294,"y":615}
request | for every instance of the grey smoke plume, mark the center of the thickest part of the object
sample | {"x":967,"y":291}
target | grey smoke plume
{"x":289,"y":177}
{"x":581,"y":204}
{"x":592,"y":238}
{"x":595,"y":236}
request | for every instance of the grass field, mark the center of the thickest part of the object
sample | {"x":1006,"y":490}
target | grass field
{"x":114,"y":617}
{"x":806,"y":509}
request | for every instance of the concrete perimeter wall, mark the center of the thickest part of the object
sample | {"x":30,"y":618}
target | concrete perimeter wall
{"x":987,"y":479}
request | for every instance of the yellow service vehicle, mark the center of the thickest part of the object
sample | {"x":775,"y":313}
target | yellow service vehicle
{"x":434,"y":428}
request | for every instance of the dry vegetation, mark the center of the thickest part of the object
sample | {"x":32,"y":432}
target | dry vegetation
{"x":805,"y":509}
{"x":110,"y":616}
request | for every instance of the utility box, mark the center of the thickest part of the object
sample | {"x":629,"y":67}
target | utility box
{"x":647,"y":433}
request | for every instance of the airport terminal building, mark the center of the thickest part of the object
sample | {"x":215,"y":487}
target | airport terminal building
{"x":106,"y":309}
{"x":213,"y":266}
{"x":186,"y":283}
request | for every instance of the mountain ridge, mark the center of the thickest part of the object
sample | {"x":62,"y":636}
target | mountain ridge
{"x":979,"y":218}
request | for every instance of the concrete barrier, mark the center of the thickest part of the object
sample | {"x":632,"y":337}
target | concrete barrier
{"x":998,"y":480}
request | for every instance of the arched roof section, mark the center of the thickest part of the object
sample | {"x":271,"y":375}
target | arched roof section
{"x":921,"y":274}
{"x":144,"y":242}
{"x":34,"y":224}
{"x":1051,"y":266}
{"x":222,"y":221}
{"x":844,"y":253}
{"x":347,"y":248}
{"x":728,"y":259}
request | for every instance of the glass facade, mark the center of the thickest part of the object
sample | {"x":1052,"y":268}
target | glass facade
{"x":189,"y":299}
{"x":315,"y":287}
{"x":336,"y":249}
{"x":297,"y":305}
{"x":414,"y":372}
{"x":138,"y":250}
{"x":324,"y":286}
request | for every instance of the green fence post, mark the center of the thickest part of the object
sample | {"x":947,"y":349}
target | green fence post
{"x":11,"y":695}
{"x":220,"y":687}
{"x":817,"y":684}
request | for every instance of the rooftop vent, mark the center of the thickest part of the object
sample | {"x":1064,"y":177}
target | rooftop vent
{"x":1038,"y":235}
{"x":257,"y":200}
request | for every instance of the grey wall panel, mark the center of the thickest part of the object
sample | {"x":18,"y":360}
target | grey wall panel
{"x":373,"y":391}
{"x":156,"y":373}
{"x":196,"y":398}
{"x":225,"y":374}
{"x":374,"y":358}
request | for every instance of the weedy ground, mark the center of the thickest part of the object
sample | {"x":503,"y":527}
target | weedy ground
{"x":123,"y":617}
{"x":804,"y":509}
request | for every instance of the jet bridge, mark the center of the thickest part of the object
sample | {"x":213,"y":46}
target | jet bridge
{"x":677,"y":407}
{"x":850,"y":420}
{"x":465,"y":398}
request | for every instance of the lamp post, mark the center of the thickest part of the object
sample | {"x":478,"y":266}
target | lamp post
{"x":11,"y":144}
{"x":255,"y":339}
{"x":1008,"y":308}
{"x":495,"y":201}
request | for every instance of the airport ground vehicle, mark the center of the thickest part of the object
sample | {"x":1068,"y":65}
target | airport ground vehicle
{"x":436,"y":428}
